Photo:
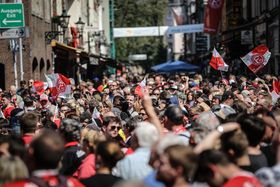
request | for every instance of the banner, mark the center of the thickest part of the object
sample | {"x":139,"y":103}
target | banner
{"x":217,"y":62}
{"x":179,"y":13}
{"x":39,"y":87}
{"x":257,"y":59}
{"x":139,"y":90}
{"x":59,"y":85}
{"x":212,"y":16}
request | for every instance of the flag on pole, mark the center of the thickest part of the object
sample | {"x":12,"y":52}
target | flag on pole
{"x":96,"y":114}
{"x":59,"y":85}
{"x":39,"y":87}
{"x":257,"y":59}
{"x":275,"y":96}
{"x":140,"y":88}
{"x":276,"y":86}
{"x":217,"y":62}
{"x":1,"y":114}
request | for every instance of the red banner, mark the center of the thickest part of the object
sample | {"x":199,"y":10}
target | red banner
{"x":212,"y":16}
{"x":75,"y":37}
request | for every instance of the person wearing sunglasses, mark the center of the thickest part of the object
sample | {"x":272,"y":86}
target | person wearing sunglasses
{"x":111,"y":126}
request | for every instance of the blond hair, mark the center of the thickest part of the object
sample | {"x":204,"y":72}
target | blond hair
{"x":12,"y":169}
{"x":94,"y":138}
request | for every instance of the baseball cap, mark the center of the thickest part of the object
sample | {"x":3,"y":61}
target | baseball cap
{"x":171,"y":81}
{"x":224,"y":111}
{"x":44,"y":97}
{"x":192,"y":84}
{"x":174,"y":87}
{"x":245,"y":93}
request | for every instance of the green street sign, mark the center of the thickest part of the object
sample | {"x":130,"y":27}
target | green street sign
{"x":11,"y":15}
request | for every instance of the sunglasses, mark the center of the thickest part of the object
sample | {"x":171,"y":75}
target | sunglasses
{"x":112,"y":128}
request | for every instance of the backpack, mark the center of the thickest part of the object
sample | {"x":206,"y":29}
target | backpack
{"x":62,"y":181}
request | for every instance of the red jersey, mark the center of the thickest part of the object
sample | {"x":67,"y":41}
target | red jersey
{"x":49,"y":176}
{"x":243,"y":179}
{"x":27,"y":139}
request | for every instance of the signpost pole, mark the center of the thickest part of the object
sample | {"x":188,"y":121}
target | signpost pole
{"x":20,"y":59}
{"x":15,"y":69}
{"x":13,"y":47}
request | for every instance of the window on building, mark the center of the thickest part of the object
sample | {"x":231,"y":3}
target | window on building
{"x":42,"y":64}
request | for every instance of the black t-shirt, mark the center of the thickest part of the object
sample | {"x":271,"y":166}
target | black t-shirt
{"x":257,"y":161}
{"x":101,"y":180}
{"x":269,"y":154}
{"x":71,"y":159}
{"x":247,"y":168}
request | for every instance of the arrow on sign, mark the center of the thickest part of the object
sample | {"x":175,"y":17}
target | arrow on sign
{"x":5,"y":21}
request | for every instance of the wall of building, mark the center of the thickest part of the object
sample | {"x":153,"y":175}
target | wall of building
{"x":35,"y":51}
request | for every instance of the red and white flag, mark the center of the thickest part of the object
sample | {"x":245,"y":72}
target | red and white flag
{"x":217,"y":62}
{"x":96,"y":114}
{"x":140,"y":88}
{"x":276,"y":86}
{"x":59,"y":85}
{"x":257,"y":59}
{"x":212,"y":16}
{"x":39,"y":87}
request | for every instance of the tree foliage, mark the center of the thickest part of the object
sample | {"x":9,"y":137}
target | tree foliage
{"x":140,"y":13}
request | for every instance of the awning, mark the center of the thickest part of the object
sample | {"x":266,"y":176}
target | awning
{"x":72,"y":50}
{"x":55,"y":43}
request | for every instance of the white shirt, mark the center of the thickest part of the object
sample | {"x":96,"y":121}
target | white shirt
{"x":135,"y":166}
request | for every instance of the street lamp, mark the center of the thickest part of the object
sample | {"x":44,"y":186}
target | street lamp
{"x":97,"y":40}
{"x":64,"y":21}
{"x":103,"y":45}
{"x":80,"y":25}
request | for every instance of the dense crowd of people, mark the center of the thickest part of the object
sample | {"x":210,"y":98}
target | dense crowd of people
{"x":177,"y":130}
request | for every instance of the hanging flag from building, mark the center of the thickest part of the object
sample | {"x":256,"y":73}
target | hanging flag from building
{"x":59,"y":85}
{"x":257,"y":59}
{"x":39,"y":87}
{"x":179,"y":14}
{"x":212,"y":16}
{"x":217,"y":62}
{"x":139,"y":90}
{"x":75,"y":37}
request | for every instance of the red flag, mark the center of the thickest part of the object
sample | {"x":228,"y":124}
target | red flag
{"x":139,"y":89}
{"x":59,"y":85}
{"x":39,"y":87}
{"x":217,"y":62}
{"x":212,"y":16}
{"x":74,"y":33}
{"x":257,"y":59}
{"x":276,"y":86}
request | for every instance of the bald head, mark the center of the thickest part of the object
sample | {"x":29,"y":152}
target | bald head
{"x":13,"y":89}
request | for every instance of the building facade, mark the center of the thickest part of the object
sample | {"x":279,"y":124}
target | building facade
{"x":247,"y":24}
{"x":81,"y":49}
{"x":36,"y":55}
